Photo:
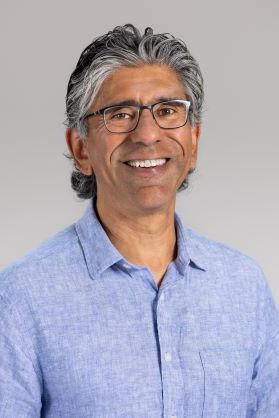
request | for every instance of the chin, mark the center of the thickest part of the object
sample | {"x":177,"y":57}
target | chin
{"x":151,"y":199}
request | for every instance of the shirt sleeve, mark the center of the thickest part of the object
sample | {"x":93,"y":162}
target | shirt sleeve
{"x":264,"y":391}
{"x":20,"y":382}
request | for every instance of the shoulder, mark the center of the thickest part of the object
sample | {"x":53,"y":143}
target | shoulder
{"x":238,"y":280}
{"x":222,"y":259}
{"x":49,"y":259}
{"x":235,"y":274}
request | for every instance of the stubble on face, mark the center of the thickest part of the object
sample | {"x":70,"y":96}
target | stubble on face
{"x":130,"y":188}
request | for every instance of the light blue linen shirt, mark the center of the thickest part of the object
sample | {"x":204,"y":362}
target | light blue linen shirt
{"x":84,"y":333}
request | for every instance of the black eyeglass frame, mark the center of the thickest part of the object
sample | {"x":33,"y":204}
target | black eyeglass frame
{"x":140,"y":108}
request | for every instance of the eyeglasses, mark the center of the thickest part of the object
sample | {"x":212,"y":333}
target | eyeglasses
{"x":169,"y":114}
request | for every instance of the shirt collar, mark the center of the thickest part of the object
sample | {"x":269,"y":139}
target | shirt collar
{"x":98,"y":250}
{"x":188,"y":250}
{"x":100,"y":253}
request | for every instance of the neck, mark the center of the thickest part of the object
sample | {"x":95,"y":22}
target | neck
{"x":143,"y":239}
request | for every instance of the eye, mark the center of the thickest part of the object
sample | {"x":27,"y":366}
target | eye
{"x":120,"y":116}
{"x":119,"y":113}
{"x":171,"y":110}
{"x":166,"y":111}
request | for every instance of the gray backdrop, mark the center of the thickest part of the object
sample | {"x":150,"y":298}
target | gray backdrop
{"x":233,"y":197}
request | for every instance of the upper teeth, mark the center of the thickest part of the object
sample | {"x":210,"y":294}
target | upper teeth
{"x":147,"y":163}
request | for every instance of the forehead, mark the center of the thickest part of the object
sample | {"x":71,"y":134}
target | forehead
{"x":144,"y":84}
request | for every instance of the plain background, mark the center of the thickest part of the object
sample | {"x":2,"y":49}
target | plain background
{"x":233,"y":196}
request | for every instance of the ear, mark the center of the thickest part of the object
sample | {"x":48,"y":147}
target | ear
{"x":196,"y":133}
{"x":78,"y":148}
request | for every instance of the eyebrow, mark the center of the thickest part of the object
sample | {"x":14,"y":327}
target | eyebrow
{"x":135,"y":103}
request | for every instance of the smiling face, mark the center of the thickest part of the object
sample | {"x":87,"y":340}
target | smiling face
{"x":116,"y":158}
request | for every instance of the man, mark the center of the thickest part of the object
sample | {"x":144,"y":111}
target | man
{"x":127,"y":313}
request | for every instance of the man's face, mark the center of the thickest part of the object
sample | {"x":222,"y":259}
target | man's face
{"x":106,"y":154}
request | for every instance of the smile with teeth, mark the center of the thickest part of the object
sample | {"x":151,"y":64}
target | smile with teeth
{"x":147,"y":163}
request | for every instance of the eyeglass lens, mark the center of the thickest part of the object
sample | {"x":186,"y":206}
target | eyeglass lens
{"x":168,"y":115}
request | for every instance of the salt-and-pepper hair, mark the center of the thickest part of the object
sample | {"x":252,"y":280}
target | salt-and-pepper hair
{"x":125,"y":46}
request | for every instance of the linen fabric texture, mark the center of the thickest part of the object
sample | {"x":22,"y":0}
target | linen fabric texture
{"x":84,"y":333}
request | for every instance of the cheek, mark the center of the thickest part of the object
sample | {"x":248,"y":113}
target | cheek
{"x":103,"y":153}
{"x":112,"y":148}
{"x":184,"y":146}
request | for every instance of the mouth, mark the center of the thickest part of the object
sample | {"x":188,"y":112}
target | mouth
{"x":147,"y":163}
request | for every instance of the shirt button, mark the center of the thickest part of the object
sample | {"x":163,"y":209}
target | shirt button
{"x":173,"y":416}
{"x":167,"y":356}
{"x":162,"y":297}
{"x":126,"y":266}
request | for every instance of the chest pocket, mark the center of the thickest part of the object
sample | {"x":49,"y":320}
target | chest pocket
{"x":228,"y":377}
{"x":217,"y":382}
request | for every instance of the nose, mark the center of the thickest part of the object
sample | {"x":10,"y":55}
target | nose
{"x":147,"y":130}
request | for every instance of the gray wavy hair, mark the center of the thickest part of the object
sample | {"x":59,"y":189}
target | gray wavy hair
{"x":125,"y":46}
